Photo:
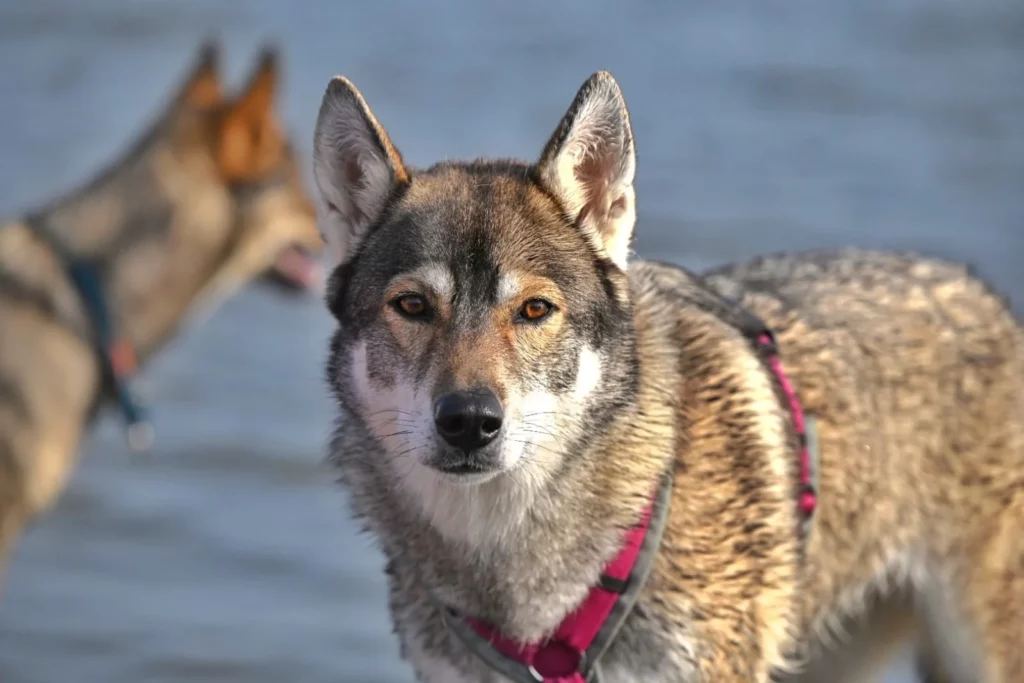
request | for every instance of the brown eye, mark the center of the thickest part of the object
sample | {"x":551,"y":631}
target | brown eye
{"x":411,"y":305}
{"x":535,"y":309}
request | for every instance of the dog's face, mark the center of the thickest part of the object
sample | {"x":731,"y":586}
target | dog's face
{"x":483,"y":307}
{"x":276,"y":231}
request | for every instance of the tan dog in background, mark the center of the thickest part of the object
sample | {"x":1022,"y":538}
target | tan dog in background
{"x":208,"y":199}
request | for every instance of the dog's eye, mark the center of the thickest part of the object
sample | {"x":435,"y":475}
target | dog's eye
{"x":535,"y":310}
{"x":411,"y":306}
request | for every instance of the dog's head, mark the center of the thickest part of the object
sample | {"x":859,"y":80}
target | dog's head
{"x":485,"y":319}
{"x":275,"y":232}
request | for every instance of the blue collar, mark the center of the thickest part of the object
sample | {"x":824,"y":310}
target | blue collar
{"x":116,"y":353}
{"x":117,"y":356}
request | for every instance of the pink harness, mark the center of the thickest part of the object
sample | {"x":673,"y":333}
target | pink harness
{"x":563,"y":657}
{"x":571,"y":655}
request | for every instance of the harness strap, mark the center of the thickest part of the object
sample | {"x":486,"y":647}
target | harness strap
{"x":573,"y":653}
{"x":807,"y":499}
{"x":115,"y":352}
{"x":758,"y":333}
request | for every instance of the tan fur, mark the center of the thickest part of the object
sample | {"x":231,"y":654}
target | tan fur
{"x":922,"y":466}
{"x":172,"y":227}
{"x":912,"y":368}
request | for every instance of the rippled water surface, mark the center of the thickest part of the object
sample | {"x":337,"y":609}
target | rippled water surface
{"x":227,"y":554}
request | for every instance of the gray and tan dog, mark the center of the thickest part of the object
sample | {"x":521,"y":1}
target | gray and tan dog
{"x":208,"y":199}
{"x":514,"y":392}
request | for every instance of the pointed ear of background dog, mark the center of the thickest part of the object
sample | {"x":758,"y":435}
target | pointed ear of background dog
{"x":257,"y":99}
{"x":249,"y":133}
{"x":589,"y":164}
{"x":355,"y":166}
{"x":203,"y":88}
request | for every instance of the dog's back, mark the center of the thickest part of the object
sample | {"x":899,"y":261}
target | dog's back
{"x":914,"y":371}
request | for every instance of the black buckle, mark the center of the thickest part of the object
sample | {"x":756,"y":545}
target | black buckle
{"x":612,"y":584}
{"x":764,"y":340}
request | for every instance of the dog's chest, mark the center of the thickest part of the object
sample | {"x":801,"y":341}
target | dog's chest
{"x":516,"y":592}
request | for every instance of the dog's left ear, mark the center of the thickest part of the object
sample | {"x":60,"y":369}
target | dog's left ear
{"x":250,"y":140}
{"x":589,"y":164}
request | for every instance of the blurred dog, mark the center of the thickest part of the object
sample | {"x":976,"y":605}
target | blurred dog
{"x":583,"y":467}
{"x":210,"y":198}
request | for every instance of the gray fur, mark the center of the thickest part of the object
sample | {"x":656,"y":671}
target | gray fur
{"x":912,"y":367}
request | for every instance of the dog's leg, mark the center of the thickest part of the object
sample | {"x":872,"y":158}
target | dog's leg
{"x":12,"y":521}
{"x":928,"y":667}
{"x":974,"y":611}
{"x":12,"y":491}
{"x":872,"y":643}
{"x":990,"y":597}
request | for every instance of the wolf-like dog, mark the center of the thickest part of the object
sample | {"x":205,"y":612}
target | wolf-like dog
{"x":515,"y":390}
{"x":211,"y":197}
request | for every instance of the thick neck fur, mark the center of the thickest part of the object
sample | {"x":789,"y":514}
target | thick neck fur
{"x":157,"y":225}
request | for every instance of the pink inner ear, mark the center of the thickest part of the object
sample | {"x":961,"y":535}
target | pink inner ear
{"x":353,"y":173}
{"x":592,"y":173}
{"x":592,"y":169}
{"x":618,"y":207}
{"x":356,"y":180}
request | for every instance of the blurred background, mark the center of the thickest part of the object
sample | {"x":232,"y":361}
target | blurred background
{"x":227,"y":553}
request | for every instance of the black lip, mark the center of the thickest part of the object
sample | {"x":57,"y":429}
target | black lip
{"x":461,"y":467}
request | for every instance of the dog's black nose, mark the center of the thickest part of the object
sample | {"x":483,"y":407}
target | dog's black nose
{"x":468,"y":419}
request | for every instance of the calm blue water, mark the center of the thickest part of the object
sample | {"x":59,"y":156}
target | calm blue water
{"x":227,"y":554}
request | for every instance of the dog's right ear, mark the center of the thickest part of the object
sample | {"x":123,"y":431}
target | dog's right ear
{"x":355,"y":167}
